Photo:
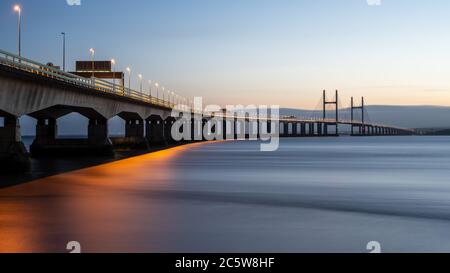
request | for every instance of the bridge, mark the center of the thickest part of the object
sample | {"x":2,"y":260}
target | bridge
{"x":47,"y":93}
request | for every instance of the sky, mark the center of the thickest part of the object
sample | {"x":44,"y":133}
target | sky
{"x":260,"y":52}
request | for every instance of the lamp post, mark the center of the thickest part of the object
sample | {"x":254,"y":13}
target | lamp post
{"x":164,"y":94}
{"x":64,"y":50}
{"x":113,"y":64}
{"x":157,"y":91}
{"x":18,"y":9}
{"x":92,"y":59}
{"x":150,"y":88}
{"x":129,"y":77}
{"x":140,"y":83}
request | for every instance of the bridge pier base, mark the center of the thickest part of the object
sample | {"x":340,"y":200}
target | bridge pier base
{"x":46,"y":143}
{"x":98,"y":139}
{"x":285,"y":129}
{"x":168,"y":123}
{"x":303,"y":129}
{"x":154,"y":127}
{"x":13,"y":154}
{"x":134,"y":136}
{"x":319,"y":129}
{"x":311,"y":129}
{"x":295,"y":129}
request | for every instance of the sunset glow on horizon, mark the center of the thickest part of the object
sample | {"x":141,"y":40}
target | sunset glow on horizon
{"x":260,"y":52}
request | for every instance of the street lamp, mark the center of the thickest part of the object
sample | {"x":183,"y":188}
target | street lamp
{"x":164,"y":93}
{"x":129,"y":77}
{"x":92,"y":59}
{"x":140,"y":82}
{"x":157,"y":90}
{"x":150,"y":88}
{"x":18,"y":9}
{"x":64,"y":50}
{"x":113,"y":64}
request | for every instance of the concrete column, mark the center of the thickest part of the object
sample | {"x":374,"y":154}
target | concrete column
{"x":297,"y":130}
{"x":247,"y":128}
{"x":311,"y":128}
{"x":224,"y":129}
{"x":168,"y":123}
{"x":325,"y":129}
{"x":229,"y":129}
{"x":319,"y":129}
{"x":98,"y":131}
{"x":155,"y":132}
{"x":240,"y":129}
{"x":134,"y":128}
{"x":303,"y":129}
{"x":98,"y":140}
{"x":286,"y":129}
{"x":269,"y":127}
{"x":13,"y":154}
{"x":134,"y":135}
{"x":46,"y":131}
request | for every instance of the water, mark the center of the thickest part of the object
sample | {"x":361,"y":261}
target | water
{"x":313,"y":195}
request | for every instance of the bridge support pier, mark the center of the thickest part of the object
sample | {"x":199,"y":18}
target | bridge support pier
{"x":303,"y":129}
{"x":98,"y":140}
{"x":325,"y":129}
{"x":13,"y":154}
{"x":168,"y":123}
{"x":285,"y":130}
{"x":319,"y":129}
{"x":154,"y":127}
{"x":46,"y":131}
{"x":297,"y":130}
{"x":134,"y":135}
{"x":47,"y":144}
{"x":311,"y":129}
{"x":247,"y":128}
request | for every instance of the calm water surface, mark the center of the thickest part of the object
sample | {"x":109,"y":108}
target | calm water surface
{"x":313,"y":195}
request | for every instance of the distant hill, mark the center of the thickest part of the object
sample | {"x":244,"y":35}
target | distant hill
{"x":402,"y":116}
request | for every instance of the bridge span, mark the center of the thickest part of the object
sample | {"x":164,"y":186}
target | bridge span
{"x":47,"y":93}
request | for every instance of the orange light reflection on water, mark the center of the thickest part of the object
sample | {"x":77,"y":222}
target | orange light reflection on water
{"x":97,"y":204}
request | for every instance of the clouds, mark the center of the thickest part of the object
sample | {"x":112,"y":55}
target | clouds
{"x":374,"y":2}
{"x":73,"y":2}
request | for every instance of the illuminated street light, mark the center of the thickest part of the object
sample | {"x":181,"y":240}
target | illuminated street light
{"x":150,"y":88}
{"x":157,"y":90}
{"x":140,"y":83}
{"x":129,"y":77}
{"x":18,"y":9}
{"x":64,"y":50}
{"x":92,"y":58}
{"x":113,"y":64}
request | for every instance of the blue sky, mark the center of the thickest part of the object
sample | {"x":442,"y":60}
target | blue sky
{"x":254,"y":51}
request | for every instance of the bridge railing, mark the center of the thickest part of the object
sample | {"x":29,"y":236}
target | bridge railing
{"x":24,"y":64}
